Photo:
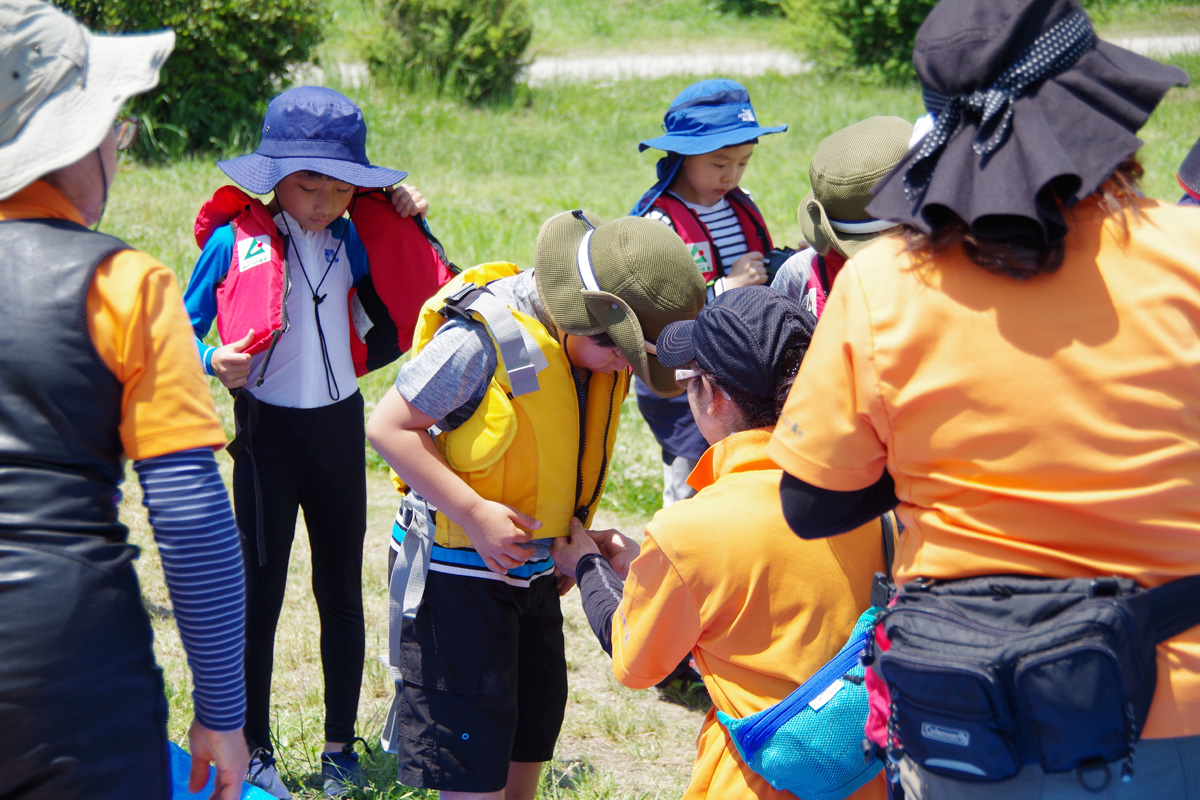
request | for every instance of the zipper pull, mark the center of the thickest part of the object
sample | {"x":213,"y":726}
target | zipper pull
{"x":1131,"y":727}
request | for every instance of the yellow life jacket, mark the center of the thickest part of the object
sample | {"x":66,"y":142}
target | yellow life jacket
{"x":521,"y":448}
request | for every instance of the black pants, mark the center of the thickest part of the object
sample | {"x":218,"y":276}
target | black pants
{"x":82,"y":711}
{"x":310,"y":459}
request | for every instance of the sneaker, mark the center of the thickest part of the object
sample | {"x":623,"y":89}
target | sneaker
{"x":265,"y":776}
{"x":341,"y":772}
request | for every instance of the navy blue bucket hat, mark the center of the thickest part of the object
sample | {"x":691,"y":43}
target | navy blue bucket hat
{"x":310,"y":128}
{"x":704,"y":117}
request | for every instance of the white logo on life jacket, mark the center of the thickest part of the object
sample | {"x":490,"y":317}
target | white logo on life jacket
{"x":746,"y":115}
{"x":253,"y":251}
{"x":702,"y":255}
{"x":941,"y":733}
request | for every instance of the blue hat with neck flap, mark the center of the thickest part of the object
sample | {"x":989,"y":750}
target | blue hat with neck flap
{"x":704,"y":117}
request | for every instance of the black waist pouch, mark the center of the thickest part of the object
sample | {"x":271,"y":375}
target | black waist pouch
{"x":991,"y":673}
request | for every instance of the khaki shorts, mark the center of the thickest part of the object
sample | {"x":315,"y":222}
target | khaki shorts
{"x":1163,"y":769}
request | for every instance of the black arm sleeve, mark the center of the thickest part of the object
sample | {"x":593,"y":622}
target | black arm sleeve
{"x":600,"y":591}
{"x":814,"y":513}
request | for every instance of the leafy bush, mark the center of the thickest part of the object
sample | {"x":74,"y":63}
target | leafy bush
{"x":229,"y":58}
{"x":468,"y":48}
{"x":748,"y":8}
{"x":873,"y":37}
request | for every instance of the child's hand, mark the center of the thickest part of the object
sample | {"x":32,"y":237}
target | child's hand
{"x":748,"y":270}
{"x":495,"y":531}
{"x":230,"y":362}
{"x":408,"y":201}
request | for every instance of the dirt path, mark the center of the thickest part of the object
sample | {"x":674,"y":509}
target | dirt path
{"x":610,"y":67}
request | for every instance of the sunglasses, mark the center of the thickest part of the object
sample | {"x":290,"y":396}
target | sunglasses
{"x":126,"y":131}
{"x":683,"y":375}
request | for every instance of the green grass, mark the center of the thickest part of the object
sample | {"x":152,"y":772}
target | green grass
{"x":576,"y":27}
{"x":493,"y":176}
{"x":581,"y":27}
{"x":572,"y":27}
{"x":1146,"y":18}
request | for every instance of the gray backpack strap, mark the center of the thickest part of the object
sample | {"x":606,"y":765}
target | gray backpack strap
{"x":523,"y":359}
{"x":405,"y":591}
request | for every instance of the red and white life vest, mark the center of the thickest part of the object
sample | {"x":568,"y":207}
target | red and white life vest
{"x":407,"y":265}
{"x":700,"y":241}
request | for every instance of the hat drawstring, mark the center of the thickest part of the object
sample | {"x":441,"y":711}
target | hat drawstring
{"x":1048,"y":55}
{"x":583,"y":262}
{"x":587,"y":272}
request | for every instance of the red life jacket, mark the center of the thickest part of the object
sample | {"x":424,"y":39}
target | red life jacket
{"x":407,"y":265}
{"x":698,"y":239}
{"x":822,"y":271}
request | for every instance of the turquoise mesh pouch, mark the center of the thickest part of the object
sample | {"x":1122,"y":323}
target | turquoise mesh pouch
{"x":811,"y":742}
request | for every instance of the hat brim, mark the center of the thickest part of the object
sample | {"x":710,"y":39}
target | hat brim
{"x":261,"y":174}
{"x":675,"y":345}
{"x":621,"y":323}
{"x":73,"y":123}
{"x":819,"y":232}
{"x":698,"y":145}
{"x":1068,"y":135}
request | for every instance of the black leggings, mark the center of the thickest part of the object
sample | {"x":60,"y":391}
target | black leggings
{"x":309,"y":458}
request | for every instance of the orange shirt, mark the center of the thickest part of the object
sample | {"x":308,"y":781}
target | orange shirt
{"x":722,"y":575}
{"x":1046,"y":427}
{"x":140,"y":329}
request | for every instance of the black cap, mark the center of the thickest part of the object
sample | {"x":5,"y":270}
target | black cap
{"x":1029,"y":104}
{"x":739,"y":338}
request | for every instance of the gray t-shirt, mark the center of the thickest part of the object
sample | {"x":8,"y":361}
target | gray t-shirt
{"x":448,"y":378}
{"x":793,"y":275}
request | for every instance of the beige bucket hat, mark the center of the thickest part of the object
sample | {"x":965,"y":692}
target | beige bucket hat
{"x":61,"y":87}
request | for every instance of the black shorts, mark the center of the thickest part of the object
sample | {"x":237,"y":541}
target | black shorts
{"x":485,"y":682}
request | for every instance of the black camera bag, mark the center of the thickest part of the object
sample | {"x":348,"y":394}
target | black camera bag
{"x":990,"y":673}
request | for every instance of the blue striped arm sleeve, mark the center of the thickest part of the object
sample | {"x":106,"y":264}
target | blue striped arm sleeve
{"x":202,"y":560}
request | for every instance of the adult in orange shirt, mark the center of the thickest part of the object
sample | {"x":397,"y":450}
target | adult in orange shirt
{"x":1018,"y":369}
{"x":97,"y":364}
{"x":716,"y":573}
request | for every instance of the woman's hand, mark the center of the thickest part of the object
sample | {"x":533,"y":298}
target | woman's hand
{"x":568,"y":550}
{"x":618,"y":549}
